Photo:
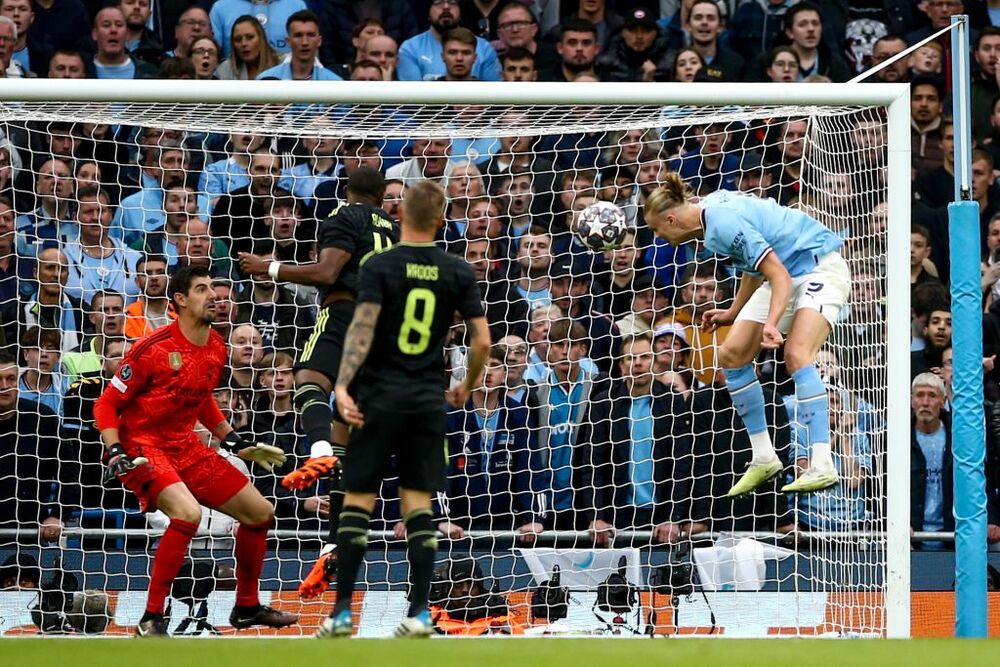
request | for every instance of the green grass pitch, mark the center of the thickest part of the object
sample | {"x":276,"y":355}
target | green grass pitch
{"x":496,"y":653}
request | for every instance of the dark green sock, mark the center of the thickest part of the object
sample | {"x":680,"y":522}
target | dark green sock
{"x":421,"y":546}
{"x":352,"y":541}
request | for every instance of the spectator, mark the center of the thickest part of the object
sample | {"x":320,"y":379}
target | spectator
{"x":803,"y":26}
{"x":205,"y":57}
{"x":67,"y":65}
{"x":59,"y":24}
{"x":33,"y":458}
{"x":284,"y":219}
{"x":939,"y":12}
{"x":920,"y":253}
{"x":517,"y":28}
{"x":702,"y":288}
{"x":106,"y":315}
{"x":595,"y":12}
{"x":465,"y":186}
{"x":642,"y":310}
{"x":393,"y":201}
{"x":578,"y":47}
{"x":562,"y":401}
{"x":721,"y":450}
{"x":164,"y":166}
{"x":50,"y":307}
{"x":540,"y":321}
{"x":271,"y":309}
{"x":671,"y":352}
{"x":518,"y":65}
{"x":112,"y":59}
{"x":98,"y":262}
{"x":926,"y":60}
{"x":685,"y":65}
{"x":192,"y":25}
{"x":756,"y":26}
{"x":15,"y":270}
{"x":842,"y":507}
{"x":320,"y":166}
{"x":491,"y":450}
{"x":363,"y":30}
{"x":196,"y":247}
{"x":885,"y":48}
{"x":515,"y":362}
{"x":152,"y":310}
{"x":637,"y":53}
{"x":230,"y":173}
{"x":233,"y":216}
{"x":383,"y":50}
{"x":225,"y":308}
{"x":246,"y":351}
{"x":926,"y":108}
{"x":140,"y":40}
{"x":177,"y":69}
{"x":366,"y":70}
{"x":41,"y":381}
{"x":534,"y":259}
{"x":458,"y":50}
{"x":925,"y":298}
{"x":26,"y":58}
{"x":506,"y":311}
{"x":179,"y":205}
{"x":272,"y":18}
{"x":338,"y":17}
{"x":781,"y":65}
{"x":937,"y":339}
{"x":709,"y":167}
{"x":521,"y":155}
{"x":429,"y":161}
{"x":571,"y":289}
{"x":8,"y":38}
{"x":634,"y":453}
{"x":304,"y":41}
{"x":790,"y":149}
{"x":48,"y":224}
{"x":985,"y":89}
{"x":420,"y":56}
{"x":251,"y":53}
{"x":705,"y":25}
{"x":931,"y":479}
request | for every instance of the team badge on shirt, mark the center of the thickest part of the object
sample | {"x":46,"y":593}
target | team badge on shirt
{"x":176,"y":361}
{"x":123,"y":376}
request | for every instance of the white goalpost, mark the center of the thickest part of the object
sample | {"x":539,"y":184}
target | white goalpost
{"x":197,"y":171}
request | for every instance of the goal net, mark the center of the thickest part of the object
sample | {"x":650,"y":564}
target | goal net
{"x":602,"y":441}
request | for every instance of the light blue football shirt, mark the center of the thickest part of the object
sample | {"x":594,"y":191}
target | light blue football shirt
{"x":745,"y":229}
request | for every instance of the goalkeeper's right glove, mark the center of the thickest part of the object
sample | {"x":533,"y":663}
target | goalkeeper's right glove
{"x":312,"y":470}
{"x":118,"y":463}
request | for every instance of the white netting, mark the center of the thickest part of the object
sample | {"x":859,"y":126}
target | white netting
{"x":198,"y":183}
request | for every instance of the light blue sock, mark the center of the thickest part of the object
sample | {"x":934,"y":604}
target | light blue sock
{"x":813,"y":405}
{"x":748,"y":397}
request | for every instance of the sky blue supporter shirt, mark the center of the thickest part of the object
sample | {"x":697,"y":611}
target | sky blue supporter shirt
{"x":746,"y":229}
{"x":641,"y":472}
{"x":564,"y":414}
{"x":933,"y":445}
{"x":273,"y":15}
{"x":283,"y":71}
{"x":125,"y":71}
{"x":420,"y":60}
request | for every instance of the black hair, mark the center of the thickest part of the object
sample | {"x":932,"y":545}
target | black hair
{"x":367,"y":182}
{"x":180,"y":282}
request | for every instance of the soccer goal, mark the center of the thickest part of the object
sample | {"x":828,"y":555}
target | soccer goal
{"x":602,"y":442}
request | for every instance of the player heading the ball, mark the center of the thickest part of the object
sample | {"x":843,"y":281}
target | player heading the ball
{"x":793,"y":282}
{"x":407,"y":300}
{"x":146,"y":417}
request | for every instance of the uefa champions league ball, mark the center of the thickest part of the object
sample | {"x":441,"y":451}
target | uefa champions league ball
{"x":601,"y":226}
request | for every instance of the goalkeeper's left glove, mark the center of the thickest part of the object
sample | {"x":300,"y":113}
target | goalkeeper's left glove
{"x":267,"y":456}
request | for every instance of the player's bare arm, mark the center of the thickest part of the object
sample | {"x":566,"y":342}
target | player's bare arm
{"x":321,"y":273}
{"x":357,"y":344}
{"x":479,"y":349}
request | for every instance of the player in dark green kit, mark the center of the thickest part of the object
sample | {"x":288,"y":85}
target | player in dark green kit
{"x":406,"y":304}
{"x":347,"y":239}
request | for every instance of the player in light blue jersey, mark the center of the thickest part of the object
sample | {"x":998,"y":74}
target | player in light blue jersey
{"x":793,"y":282}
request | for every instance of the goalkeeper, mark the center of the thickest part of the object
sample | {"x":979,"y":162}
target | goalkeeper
{"x":146,"y":417}
{"x":346,"y":239}
{"x":794,"y":282}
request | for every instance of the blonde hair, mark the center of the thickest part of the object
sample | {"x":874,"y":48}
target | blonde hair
{"x":423,"y":205}
{"x":673,"y":192}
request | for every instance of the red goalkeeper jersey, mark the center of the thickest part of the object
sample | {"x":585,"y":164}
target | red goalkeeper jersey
{"x":163,"y":386}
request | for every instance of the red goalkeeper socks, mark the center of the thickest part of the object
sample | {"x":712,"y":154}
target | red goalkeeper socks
{"x":167,"y":562}
{"x":251,"y":542}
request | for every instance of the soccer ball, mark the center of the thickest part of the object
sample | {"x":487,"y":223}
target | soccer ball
{"x":601,"y":226}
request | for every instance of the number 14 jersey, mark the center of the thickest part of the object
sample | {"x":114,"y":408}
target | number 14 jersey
{"x":420,"y":288}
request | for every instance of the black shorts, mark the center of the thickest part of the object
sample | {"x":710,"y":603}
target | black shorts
{"x":325,"y":345}
{"x":416,"y":439}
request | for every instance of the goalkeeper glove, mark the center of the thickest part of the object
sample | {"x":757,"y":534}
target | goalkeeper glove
{"x":313,"y":469}
{"x":118,"y":463}
{"x":266,"y":456}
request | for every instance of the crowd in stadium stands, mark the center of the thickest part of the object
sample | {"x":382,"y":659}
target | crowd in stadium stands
{"x":601,"y":407}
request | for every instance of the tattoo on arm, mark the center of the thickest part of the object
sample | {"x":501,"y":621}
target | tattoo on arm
{"x":358,"y":342}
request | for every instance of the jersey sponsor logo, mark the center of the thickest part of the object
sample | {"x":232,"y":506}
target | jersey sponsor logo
{"x":176,"y":361}
{"x":422,"y":271}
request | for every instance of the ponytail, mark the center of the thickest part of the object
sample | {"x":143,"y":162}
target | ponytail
{"x":673,"y":192}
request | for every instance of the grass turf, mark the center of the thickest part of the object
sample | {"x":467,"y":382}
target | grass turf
{"x":548,"y":652}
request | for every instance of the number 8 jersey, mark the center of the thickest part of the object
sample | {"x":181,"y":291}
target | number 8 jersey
{"x":420,"y":288}
{"x":361,"y":230}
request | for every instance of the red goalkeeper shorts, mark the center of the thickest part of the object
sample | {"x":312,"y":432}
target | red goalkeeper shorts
{"x":210,"y":478}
